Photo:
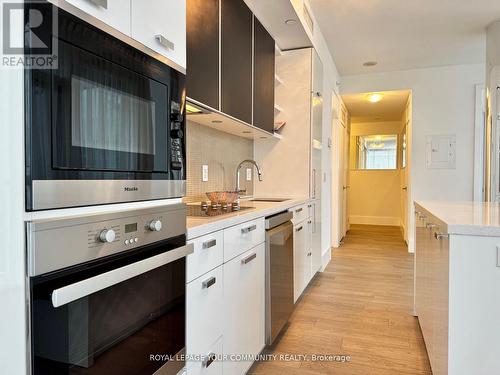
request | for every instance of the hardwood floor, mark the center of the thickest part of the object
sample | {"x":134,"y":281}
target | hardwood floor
{"x":359,"y":307}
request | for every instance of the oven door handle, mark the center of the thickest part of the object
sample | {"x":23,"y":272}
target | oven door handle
{"x":84,"y":288}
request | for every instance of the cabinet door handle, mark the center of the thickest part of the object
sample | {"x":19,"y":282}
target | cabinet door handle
{"x":165,"y":42}
{"x":298,"y":211}
{"x":440,"y":236}
{"x":299,"y":229}
{"x":309,"y":222}
{"x":248,"y":229}
{"x":208,"y":283}
{"x":309,"y":254}
{"x":430,"y":225}
{"x":209,"y":244}
{"x":314,"y":183}
{"x":249,"y":258}
{"x":100,"y":3}
{"x":209,"y":360}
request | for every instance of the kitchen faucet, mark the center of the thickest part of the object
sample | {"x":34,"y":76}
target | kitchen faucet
{"x":259,"y":173}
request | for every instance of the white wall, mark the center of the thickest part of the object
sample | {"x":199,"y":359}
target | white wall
{"x":443,"y":100}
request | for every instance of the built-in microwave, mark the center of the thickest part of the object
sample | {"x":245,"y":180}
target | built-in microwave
{"x":106,"y":126}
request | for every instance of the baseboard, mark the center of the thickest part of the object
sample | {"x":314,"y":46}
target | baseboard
{"x":411,"y":245}
{"x":326,"y":257}
{"x":375,"y":220}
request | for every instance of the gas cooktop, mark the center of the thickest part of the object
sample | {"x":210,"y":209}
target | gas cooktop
{"x":211,"y":210}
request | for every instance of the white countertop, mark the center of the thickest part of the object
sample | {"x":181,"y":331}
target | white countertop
{"x":199,"y":226}
{"x":466,"y":218}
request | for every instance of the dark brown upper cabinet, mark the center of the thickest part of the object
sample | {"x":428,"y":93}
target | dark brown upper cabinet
{"x":264,"y":73}
{"x":202,"y":79}
{"x":236,"y":59}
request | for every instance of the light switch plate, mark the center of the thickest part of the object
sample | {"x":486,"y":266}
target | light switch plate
{"x":249,"y":174}
{"x":204,"y":173}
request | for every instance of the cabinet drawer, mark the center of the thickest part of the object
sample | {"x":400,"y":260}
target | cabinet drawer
{"x":211,"y":364}
{"x":115,"y":13}
{"x":244,"y":301}
{"x":243,"y":237}
{"x":204,"y":300}
{"x":161,"y":26}
{"x":207,"y":255}
{"x":300,"y":213}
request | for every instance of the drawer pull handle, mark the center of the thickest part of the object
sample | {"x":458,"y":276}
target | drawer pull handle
{"x":209,"y":282}
{"x":209,"y":360}
{"x":309,"y":205}
{"x":248,"y":229}
{"x":249,"y":258}
{"x":209,"y":244}
{"x":165,"y":42}
{"x":100,"y":3}
{"x":298,"y":211}
{"x":430,"y":225}
{"x":440,"y":236}
{"x":299,"y":229}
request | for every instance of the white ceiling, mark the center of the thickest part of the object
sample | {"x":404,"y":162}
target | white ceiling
{"x":390,"y":108}
{"x":404,"y":34}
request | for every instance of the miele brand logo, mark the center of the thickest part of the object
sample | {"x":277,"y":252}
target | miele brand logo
{"x":131,"y":188}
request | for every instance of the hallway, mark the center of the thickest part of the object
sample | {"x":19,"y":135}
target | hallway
{"x":359,"y":307}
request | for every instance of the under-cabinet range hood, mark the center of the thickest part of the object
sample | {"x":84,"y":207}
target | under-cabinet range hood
{"x":212,"y":118}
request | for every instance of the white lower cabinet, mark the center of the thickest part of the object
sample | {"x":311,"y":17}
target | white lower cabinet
{"x":302,"y":257}
{"x":204,"y":311}
{"x":244,"y":314}
{"x":210,"y":364}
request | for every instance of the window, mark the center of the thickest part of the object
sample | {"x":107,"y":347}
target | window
{"x":376,"y":151}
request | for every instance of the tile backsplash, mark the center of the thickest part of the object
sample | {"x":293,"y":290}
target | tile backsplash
{"x":222,"y":153}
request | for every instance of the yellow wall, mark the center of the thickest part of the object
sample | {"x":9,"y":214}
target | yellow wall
{"x":375,"y":195}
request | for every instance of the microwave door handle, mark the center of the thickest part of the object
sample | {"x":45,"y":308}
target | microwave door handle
{"x":84,"y":288}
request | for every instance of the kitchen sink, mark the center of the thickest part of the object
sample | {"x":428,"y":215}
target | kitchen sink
{"x":269,"y":200}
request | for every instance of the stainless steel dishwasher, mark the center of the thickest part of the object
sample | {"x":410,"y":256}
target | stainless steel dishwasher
{"x":279,"y":273}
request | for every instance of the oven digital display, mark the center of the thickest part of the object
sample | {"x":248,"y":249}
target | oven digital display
{"x":130,"y":228}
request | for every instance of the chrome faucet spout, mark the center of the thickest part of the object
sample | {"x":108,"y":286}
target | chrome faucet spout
{"x":253,"y":162}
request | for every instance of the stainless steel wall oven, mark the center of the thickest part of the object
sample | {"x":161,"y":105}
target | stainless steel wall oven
{"x":107,"y":293}
{"x":106,"y":126}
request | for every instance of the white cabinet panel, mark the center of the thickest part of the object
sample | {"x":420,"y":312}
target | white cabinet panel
{"x":210,"y":364}
{"x":208,"y":254}
{"x":300,"y":213}
{"x":315,"y":210}
{"x":300,"y":259}
{"x":161,"y":26}
{"x":243,"y":237}
{"x":115,"y":13}
{"x":204,"y":304}
{"x":244,"y":319}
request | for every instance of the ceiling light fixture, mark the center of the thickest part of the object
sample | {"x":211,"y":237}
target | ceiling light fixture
{"x":290,"y":22}
{"x":370,"y":63}
{"x":375,"y":97}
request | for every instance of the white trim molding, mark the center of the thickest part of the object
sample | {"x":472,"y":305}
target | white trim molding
{"x":326,"y":257}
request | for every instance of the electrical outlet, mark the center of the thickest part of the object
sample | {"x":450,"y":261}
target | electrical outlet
{"x":249,"y":174}
{"x":204,"y":173}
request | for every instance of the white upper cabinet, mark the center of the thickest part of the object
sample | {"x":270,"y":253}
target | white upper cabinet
{"x":161,"y":26}
{"x":115,"y":13}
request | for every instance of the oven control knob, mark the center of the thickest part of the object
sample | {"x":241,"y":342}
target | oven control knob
{"x":107,"y":235}
{"x":155,"y":226}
